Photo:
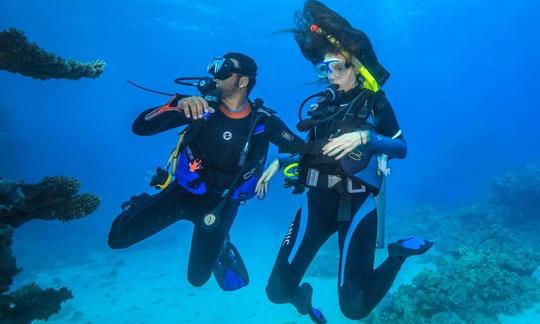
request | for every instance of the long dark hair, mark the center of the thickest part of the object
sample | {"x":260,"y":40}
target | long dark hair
{"x":315,"y":45}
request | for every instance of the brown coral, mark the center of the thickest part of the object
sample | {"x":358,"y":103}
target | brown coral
{"x":18,"y":55}
{"x":53,"y":198}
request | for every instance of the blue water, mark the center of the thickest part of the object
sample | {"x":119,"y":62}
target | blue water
{"x":464,"y":87}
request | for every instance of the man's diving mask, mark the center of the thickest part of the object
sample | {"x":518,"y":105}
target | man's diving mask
{"x":334,"y":66}
{"x":222,"y":68}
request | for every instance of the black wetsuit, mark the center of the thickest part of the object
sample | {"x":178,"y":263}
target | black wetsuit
{"x":360,"y":286}
{"x":218,"y":144}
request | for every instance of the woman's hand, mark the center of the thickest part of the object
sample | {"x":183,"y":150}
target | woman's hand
{"x":262,"y":185}
{"x":344,"y":144}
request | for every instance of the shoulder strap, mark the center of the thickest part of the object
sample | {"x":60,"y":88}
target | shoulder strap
{"x":260,"y":113}
{"x":260,"y":108}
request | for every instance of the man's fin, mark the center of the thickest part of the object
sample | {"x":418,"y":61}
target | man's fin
{"x":230,"y":272}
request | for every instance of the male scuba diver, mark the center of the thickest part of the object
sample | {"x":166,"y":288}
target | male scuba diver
{"x":357,"y":130}
{"x":215,"y":167}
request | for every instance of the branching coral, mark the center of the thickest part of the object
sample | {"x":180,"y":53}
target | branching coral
{"x":18,"y":55}
{"x":30,"y":303}
{"x":52,"y":198}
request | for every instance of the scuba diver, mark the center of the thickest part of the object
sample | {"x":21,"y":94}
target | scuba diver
{"x":357,"y":132}
{"x":214,"y":168}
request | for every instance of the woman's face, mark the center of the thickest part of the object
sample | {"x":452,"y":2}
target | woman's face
{"x":340,"y":72}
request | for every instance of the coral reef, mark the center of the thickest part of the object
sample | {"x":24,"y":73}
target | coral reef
{"x":472,"y":285}
{"x":487,"y":254}
{"x":30,"y":303}
{"x":8,"y":267}
{"x":53,"y":198}
{"x":18,"y":55}
{"x":520,"y":190}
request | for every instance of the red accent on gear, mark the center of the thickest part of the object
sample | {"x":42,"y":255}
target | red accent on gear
{"x":195,"y":165}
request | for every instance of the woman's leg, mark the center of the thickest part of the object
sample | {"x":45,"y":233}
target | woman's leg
{"x":360,"y":286}
{"x":313,"y":225}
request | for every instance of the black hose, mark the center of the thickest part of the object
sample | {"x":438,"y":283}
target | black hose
{"x":150,"y":90}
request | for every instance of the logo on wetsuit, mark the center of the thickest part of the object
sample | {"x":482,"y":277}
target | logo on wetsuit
{"x":287,"y":136}
{"x":209,"y":219}
{"x":248,"y":174}
{"x":227,"y":136}
{"x":288,"y":236}
{"x":355,"y":155}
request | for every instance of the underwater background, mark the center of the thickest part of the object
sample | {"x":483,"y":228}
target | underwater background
{"x":464,"y":88}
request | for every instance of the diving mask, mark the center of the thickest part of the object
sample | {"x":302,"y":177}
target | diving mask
{"x":222,"y":68}
{"x":334,"y":66}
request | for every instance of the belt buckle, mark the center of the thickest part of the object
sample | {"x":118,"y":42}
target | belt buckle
{"x":333,"y":180}
{"x":312,"y":177}
{"x":350,"y":188}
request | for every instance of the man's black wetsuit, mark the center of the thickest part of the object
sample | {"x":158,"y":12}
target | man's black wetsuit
{"x":360,"y":287}
{"x":217,"y":143}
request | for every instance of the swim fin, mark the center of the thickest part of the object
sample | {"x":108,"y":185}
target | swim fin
{"x":408,"y":247}
{"x":230,"y":272}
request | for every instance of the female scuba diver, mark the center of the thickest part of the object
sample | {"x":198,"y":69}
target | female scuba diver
{"x":357,"y":131}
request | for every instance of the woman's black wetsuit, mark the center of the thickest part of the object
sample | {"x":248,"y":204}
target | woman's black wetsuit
{"x":360,"y":286}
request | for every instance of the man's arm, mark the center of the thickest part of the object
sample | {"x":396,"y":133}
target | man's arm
{"x":178,"y":111}
{"x":280,"y":135}
{"x":165,"y":121}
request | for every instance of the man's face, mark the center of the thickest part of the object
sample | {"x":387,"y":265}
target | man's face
{"x":232,"y":84}
{"x":227,"y":86}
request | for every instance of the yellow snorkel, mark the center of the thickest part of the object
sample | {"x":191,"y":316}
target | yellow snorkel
{"x":369,"y":81}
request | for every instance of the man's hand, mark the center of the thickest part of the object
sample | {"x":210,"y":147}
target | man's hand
{"x":262,"y":185}
{"x":344,"y":144}
{"x":194,"y":107}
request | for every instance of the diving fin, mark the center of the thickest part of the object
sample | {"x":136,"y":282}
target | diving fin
{"x":410,"y":246}
{"x":230,"y":272}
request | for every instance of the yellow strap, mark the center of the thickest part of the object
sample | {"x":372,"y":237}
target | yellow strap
{"x":174,"y":155}
{"x":163,"y":186}
{"x":288,"y":168}
{"x":173,"y":159}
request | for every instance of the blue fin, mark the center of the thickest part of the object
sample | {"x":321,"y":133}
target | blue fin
{"x":230,"y":272}
{"x":409,"y":246}
{"x":316,"y":316}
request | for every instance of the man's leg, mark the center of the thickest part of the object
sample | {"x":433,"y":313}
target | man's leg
{"x":207,"y":243}
{"x":145,"y":215}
